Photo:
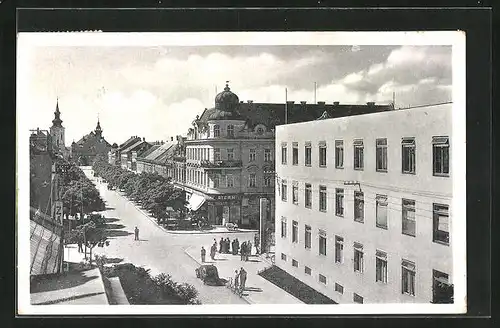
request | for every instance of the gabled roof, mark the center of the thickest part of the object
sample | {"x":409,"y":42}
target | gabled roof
{"x":129,"y":142}
{"x":271,"y":114}
{"x":134,"y":146}
{"x":159,"y":153}
{"x":147,"y":152}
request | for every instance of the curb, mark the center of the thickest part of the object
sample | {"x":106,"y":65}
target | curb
{"x":181,"y":233}
{"x":245,"y":298}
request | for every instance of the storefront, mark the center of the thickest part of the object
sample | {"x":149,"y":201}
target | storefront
{"x":223,"y":209}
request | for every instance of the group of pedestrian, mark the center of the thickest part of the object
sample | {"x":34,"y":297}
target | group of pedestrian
{"x":240,"y":279}
{"x":224,"y":245}
{"x":246,"y":250}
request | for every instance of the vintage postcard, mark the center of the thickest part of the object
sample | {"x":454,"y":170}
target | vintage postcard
{"x":241,"y":173}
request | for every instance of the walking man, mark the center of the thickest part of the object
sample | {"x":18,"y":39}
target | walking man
{"x":136,"y":231}
{"x":213,"y":250}
{"x":256,"y":242}
{"x":242,"y":251}
{"x":203,"y":253}
{"x":243,"y":279}
{"x":236,"y":280}
{"x":221,"y":245}
{"x":80,"y":244}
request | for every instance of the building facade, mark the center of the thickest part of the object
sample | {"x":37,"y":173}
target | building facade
{"x":363,"y":205}
{"x":129,"y":154}
{"x":89,"y":146}
{"x":114,"y":155}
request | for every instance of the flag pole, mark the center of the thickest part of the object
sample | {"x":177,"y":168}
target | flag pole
{"x":286,"y":106}
{"x":315,"y":92}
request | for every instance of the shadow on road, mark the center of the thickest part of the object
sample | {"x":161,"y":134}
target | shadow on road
{"x":114,"y":226}
{"x":253,"y":289}
{"x":117,"y":233}
{"x":63,"y":281}
{"x":109,"y":208}
{"x":108,"y":220}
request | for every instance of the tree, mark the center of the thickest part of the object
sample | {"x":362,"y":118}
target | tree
{"x":92,"y":235}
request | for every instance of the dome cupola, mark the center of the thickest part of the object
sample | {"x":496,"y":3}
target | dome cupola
{"x":226,"y":105}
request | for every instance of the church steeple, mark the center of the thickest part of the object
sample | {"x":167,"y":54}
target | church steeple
{"x":57,"y":115}
{"x":98,"y":130}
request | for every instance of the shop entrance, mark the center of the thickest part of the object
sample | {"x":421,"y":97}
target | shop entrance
{"x":219,"y":212}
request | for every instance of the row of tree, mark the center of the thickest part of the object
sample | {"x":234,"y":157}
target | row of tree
{"x":152,"y":191}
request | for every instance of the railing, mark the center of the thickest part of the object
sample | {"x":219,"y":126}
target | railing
{"x":220,"y":164}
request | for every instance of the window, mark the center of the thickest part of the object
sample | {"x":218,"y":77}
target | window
{"x":358,"y":257}
{"x":339,"y":154}
{"x":442,"y":290}
{"x":295,"y":263}
{"x":230,"y":130}
{"x":357,"y":299}
{"x":339,"y":202}
{"x":307,"y":154}
{"x":339,"y":288}
{"x":339,"y":249}
{"x":322,"y":242}
{"x":229,"y":181}
{"x":408,"y":155}
{"x":267,"y":155}
{"x":441,"y":224}
{"x":381,"y":215}
{"x":295,"y":192}
{"x":230,"y":154}
{"x":381,"y":154}
{"x":216,"y":181}
{"x":284,"y":190}
{"x":283,"y":227}
{"x":358,"y":154}
{"x":408,"y":277}
{"x":295,"y":232}
{"x":308,"y":196}
{"x":441,"y":156}
{"x":381,"y":266}
{"x":283,"y":154}
{"x":251,"y":180}
{"x":251,"y":157}
{"x":408,"y":213}
{"x":359,"y":205}
{"x":295,"y":153}
{"x":216,"y":131}
{"x":322,"y":153}
{"x":267,"y":181}
{"x":307,"y":270}
{"x":216,"y":154}
{"x":322,"y":279}
{"x":322,"y":198}
{"x":307,"y":237}
{"x":283,"y":257}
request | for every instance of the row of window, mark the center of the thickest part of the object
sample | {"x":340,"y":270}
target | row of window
{"x":440,"y":154}
{"x":203,"y":154}
{"x":440,"y":212}
{"x":408,"y":270}
{"x":202,"y":179}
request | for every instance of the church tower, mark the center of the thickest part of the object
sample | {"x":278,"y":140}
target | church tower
{"x":57,"y":131}
{"x":98,"y":130}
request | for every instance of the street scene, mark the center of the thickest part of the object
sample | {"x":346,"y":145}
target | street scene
{"x":212,"y":175}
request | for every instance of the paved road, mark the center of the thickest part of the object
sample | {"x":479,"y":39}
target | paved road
{"x":157,"y":249}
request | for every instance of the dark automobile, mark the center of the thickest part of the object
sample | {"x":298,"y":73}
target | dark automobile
{"x":209,"y":275}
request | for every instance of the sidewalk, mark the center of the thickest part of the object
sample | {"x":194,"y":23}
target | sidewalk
{"x":258,"y":290}
{"x":216,"y":230}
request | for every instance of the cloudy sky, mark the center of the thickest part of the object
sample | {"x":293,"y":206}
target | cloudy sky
{"x":155,"y":92}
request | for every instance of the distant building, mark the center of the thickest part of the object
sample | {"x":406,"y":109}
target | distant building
{"x":155,"y":159}
{"x":85,"y":150}
{"x":57,"y":132}
{"x":114,"y":155}
{"x":229,"y":154}
{"x":363,"y":207}
{"x":129,"y":154}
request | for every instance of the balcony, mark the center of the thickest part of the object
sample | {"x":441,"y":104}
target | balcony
{"x":220,"y":164}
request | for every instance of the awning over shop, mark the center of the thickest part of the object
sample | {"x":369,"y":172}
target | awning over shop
{"x":195,"y":202}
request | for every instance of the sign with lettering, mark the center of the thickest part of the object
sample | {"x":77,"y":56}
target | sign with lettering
{"x":227,"y":197}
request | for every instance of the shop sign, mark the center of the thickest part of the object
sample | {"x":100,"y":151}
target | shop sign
{"x":227,"y":197}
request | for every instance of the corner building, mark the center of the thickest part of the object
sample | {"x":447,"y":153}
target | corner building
{"x":363,"y":205}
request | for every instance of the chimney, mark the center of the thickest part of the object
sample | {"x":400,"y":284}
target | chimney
{"x":143,"y":139}
{"x":290,"y":102}
{"x":303,"y":102}
{"x":250,"y":101}
{"x":171,"y":138}
{"x":241,"y":101}
{"x":371,"y":103}
{"x":321,"y":103}
{"x":336,"y":103}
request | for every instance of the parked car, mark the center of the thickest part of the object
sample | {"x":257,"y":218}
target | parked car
{"x":209,"y":275}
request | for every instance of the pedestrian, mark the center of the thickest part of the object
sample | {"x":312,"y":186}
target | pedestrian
{"x":80,"y":245}
{"x":242,"y":251}
{"x":233,"y":247}
{"x":203,"y":253}
{"x":136,"y":232}
{"x":213,"y":250}
{"x":256,"y":241}
{"x":243,"y":279}
{"x":236,"y":280}
{"x":249,"y":249}
{"x":228,"y":243}
{"x":221,"y":245}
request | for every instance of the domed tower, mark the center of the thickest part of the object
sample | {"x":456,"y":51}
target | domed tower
{"x":57,"y":131}
{"x":226,"y":106}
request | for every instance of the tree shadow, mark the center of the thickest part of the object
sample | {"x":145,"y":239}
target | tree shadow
{"x":143,"y":239}
{"x":109,"y":208}
{"x":257,"y":261}
{"x":111,"y":220}
{"x":117,"y":233}
{"x":58,"y":282}
{"x":253,"y":289}
{"x":221,"y":259}
{"x":113,"y":260}
{"x":114,"y":226}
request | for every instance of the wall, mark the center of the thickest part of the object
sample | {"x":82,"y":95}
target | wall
{"x":422,"y":187}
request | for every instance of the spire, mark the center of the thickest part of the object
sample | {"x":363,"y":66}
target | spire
{"x":98,"y":130}
{"x":57,"y":119}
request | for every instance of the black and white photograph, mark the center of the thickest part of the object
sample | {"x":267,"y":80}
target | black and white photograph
{"x":241,"y":172}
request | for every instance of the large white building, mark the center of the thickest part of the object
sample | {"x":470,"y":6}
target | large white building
{"x":363,"y":205}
